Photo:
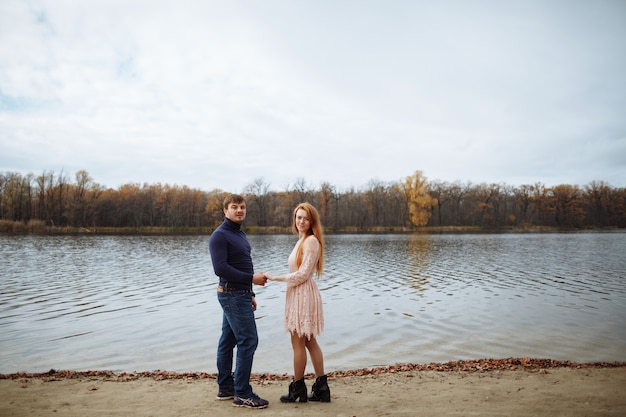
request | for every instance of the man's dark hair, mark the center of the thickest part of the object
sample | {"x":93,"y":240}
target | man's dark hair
{"x":233,"y":198}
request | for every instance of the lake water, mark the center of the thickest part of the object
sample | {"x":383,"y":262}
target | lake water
{"x":142,"y":303}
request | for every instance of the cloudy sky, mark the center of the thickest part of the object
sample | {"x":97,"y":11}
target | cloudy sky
{"x":215,"y":94}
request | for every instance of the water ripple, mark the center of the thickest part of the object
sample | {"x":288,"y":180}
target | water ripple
{"x":144,"y":303}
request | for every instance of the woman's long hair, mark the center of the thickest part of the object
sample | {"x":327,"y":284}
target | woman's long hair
{"x":316,"y":230}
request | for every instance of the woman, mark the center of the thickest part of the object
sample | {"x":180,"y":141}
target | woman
{"x":304,"y":318}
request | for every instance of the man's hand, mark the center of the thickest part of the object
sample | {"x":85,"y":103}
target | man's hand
{"x":259,"y":278}
{"x":253,"y":303}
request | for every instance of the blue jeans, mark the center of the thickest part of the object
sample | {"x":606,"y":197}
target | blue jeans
{"x":238,"y":329}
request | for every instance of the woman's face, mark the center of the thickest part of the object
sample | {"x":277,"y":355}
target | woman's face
{"x":303,"y":223}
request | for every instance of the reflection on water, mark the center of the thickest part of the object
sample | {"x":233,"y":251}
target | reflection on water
{"x":418,"y":261}
{"x":130,"y":303}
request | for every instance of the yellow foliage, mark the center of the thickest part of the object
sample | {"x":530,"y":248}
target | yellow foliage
{"x":419,"y":201}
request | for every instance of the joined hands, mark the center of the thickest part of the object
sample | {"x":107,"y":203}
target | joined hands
{"x":260,"y":278}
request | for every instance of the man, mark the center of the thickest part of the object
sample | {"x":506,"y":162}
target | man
{"x":232,"y":263}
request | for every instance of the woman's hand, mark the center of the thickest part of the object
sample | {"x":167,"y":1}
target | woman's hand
{"x":269,"y":276}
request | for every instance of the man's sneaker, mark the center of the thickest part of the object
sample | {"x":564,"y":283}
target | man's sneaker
{"x":226,"y":395}
{"x":251,"y":401}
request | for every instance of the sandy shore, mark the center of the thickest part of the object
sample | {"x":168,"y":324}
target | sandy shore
{"x":510,"y":387}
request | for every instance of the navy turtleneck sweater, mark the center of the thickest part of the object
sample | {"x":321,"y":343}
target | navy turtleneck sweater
{"x":230,"y":254}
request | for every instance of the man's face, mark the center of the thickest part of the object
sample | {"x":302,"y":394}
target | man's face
{"x":236,"y":212}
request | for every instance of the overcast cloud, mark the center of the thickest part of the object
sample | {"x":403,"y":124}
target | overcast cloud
{"x":214,"y":94}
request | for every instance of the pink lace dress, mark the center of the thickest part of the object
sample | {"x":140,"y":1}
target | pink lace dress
{"x":303,"y":301}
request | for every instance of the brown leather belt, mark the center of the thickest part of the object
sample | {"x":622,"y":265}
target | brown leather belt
{"x":221,"y":288}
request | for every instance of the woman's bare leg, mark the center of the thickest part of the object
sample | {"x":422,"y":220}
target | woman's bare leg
{"x":317,"y":357}
{"x":299,"y":356}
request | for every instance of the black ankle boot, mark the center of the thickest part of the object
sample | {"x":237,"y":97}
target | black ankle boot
{"x":297,"y":389}
{"x":320,"y":390}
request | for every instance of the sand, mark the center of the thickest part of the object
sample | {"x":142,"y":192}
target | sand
{"x":476,"y":388}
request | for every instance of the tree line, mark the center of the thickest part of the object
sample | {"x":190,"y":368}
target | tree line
{"x":52,"y":201}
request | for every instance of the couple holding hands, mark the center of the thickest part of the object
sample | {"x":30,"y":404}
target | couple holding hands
{"x":304,"y":318}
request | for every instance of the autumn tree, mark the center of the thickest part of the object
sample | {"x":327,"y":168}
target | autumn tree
{"x":523,"y":199}
{"x":541,"y":203}
{"x":281,"y":208}
{"x":598,"y":200}
{"x":489,"y":198}
{"x":419,"y":201}
{"x":617,"y":208}
{"x":567,"y":206}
